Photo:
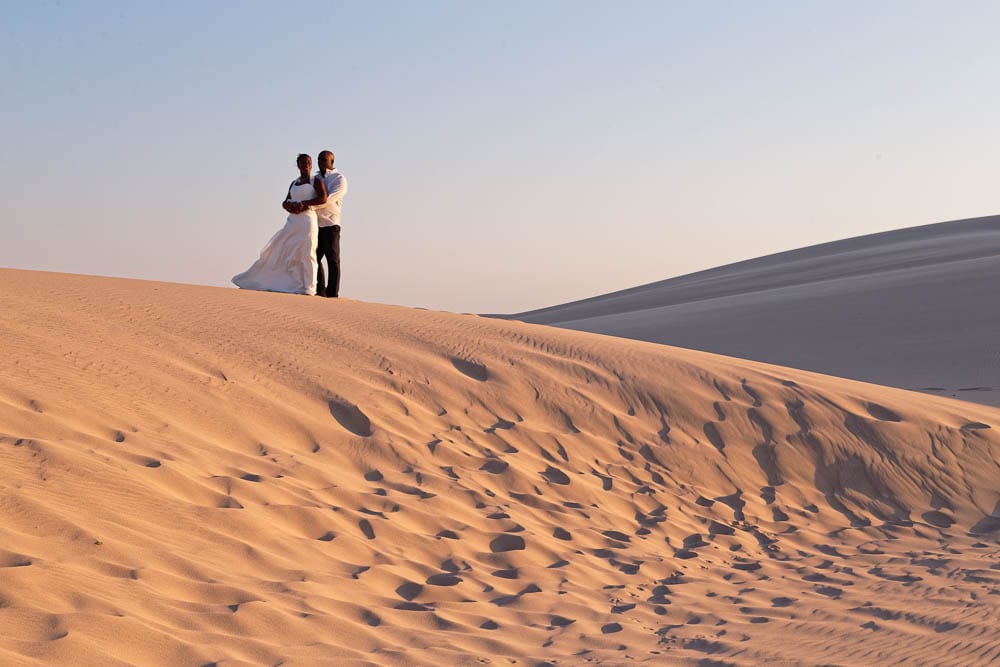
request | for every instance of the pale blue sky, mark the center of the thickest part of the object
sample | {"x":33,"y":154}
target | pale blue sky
{"x":501,"y":156}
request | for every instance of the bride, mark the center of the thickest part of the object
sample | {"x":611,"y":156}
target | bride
{"x":288,"y":261}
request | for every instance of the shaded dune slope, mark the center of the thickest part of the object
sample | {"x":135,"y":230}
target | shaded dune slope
{"x":196,"y":475}
{"x":910,"y":308}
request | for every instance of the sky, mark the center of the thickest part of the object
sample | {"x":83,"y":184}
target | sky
{"x":500,"y":156}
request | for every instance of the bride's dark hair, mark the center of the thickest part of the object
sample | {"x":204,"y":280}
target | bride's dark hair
{"x":302,"y":155}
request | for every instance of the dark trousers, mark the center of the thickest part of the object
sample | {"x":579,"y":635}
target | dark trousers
{"x":329,"y":247}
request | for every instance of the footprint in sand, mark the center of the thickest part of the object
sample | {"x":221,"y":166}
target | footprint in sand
{"x":975,"y":426}
{"x":606,"y":482}
{"x":882,"y":413}
{"x":495,"y":466}
{"x":504,"y":543}
{"x":713,"y":435}
{"x":509,"y":573}
{"x":735,"y":502}
{"x":616,"y":535}
{"x":716,"y":528}
{"x":409,"y":590}
{"x":938,"y":519}
{"x":659,"y":595}
{"x":11,"y":559}
{"x":988,"y":524}
{"x":694,"y":541}
{"x":472,"y":369}
{"x":751,"y":393}
{"x":351,"y":418}
{"x":555,"y":475}
{"x":505,"y":600}
{"x":449,"y":565}
{"x":747,"y":567}
{"x":502,"y":424}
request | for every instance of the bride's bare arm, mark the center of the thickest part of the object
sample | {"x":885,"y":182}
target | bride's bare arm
{"x":289,"y":205}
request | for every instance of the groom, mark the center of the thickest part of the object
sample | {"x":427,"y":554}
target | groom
{"x":328,"y":216}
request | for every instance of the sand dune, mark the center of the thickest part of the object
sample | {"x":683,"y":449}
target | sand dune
{"x":202,"y":476}
{"x":911,"y":308}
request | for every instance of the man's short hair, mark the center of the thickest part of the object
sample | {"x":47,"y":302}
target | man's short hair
{"x":330,"y":153}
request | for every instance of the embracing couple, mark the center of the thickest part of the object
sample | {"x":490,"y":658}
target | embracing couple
{"x":292,"y":261}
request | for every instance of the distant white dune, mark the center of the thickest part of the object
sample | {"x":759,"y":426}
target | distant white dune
{"x":913,"y":308}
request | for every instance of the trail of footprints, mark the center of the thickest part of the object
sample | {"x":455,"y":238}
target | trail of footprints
{"x":649,"y":563}
{"x":825,"y":578}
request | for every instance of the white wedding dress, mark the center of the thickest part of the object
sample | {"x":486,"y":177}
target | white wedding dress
{"x":288,"y":261}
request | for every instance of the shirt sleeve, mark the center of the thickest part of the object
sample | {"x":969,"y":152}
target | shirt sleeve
{"x":336,"y":187}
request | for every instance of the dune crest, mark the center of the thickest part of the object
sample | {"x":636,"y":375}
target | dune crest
{"x":197,"y":475}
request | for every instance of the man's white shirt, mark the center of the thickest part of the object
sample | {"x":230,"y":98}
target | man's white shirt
{"x":336,"y":187}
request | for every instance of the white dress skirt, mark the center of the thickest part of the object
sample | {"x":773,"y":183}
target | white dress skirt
{"x":288,"y":261}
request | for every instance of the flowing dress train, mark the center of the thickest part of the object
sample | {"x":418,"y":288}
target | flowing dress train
{"x":288,"y":261}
